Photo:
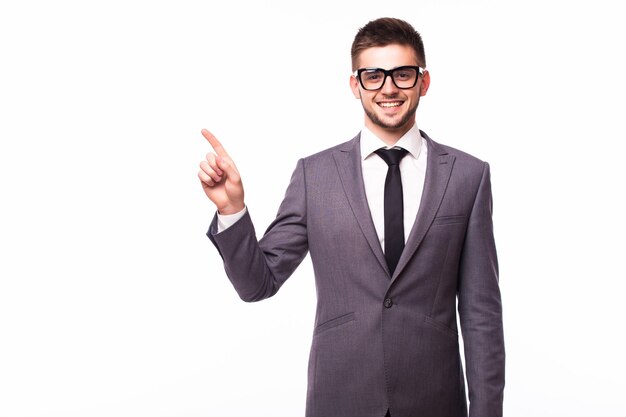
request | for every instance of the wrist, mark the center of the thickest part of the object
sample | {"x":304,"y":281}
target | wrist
{"x":231,"y":209}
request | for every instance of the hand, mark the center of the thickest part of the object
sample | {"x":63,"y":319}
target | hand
{"x":220,"y":179}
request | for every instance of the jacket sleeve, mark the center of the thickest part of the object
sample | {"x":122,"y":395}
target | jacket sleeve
{"x":480,"y":309}
{"x":257,"y":269}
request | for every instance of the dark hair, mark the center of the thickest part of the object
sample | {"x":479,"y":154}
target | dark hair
{"x":387,"y":31}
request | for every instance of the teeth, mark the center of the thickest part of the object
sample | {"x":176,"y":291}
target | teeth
{"x":394,"y":104}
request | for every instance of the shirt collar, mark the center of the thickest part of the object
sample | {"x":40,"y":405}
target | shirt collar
{"x":411,"y":141}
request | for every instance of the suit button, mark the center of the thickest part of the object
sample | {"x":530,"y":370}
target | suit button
{"x":388,"y":303}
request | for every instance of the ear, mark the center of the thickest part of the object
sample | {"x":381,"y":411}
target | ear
{"x":354,"y":85}
{"x":425,"y":83}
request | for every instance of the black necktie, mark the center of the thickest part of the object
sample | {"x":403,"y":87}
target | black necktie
{"x":394,"y":206}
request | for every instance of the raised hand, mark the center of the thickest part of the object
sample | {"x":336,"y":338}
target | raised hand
{"x":220,"y":178}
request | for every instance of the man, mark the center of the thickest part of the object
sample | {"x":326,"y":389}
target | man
{"x":398,"y":228}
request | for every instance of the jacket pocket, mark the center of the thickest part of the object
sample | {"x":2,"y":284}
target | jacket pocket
{"x":337,"y":321}
{"x":458,"y":219}
{"x":441,"y":328}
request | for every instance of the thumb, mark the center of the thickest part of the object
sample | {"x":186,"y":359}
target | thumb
{"x":228,"y":168}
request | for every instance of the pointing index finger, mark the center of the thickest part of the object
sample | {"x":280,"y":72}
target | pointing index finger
{"x":217,"y":146}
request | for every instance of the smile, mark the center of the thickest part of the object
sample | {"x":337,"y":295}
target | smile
{"x":387,"y":104}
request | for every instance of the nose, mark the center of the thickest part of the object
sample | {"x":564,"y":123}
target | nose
{"x":389,"y":87}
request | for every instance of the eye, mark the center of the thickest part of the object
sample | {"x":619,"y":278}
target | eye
{"x":372,"y":76}
{"x":403,"y":75}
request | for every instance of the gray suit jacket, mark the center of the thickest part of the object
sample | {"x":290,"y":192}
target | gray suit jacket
{"x":384,"y":341}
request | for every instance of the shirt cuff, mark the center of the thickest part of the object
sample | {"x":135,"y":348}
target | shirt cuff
{"x":224,"y":221}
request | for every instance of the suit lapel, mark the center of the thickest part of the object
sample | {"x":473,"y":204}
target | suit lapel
{"x":438,"y":170}
{"x":348,"y":161}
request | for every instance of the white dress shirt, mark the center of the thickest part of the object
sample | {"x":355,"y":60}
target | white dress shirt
{"x":412,"y":171}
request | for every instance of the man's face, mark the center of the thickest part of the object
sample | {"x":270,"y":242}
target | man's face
{"x":389,"y":110}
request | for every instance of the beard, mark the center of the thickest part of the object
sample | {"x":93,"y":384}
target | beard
{"x":409,"y":115}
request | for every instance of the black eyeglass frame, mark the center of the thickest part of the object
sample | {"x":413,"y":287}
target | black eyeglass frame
{"x":389,"y":73}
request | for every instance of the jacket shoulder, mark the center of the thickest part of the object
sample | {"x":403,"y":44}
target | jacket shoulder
{"x":461,"y":157}
{"x":327,"y":154}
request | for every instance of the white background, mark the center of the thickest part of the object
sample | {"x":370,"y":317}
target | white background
{"x":114,"y":303}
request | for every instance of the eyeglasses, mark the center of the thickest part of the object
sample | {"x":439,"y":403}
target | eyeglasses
{"x":403,"y":77}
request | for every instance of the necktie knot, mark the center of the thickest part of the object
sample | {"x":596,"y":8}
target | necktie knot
{"x":392,"y":156}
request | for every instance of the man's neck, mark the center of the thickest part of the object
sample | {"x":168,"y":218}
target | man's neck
{"x":388,"y":135}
